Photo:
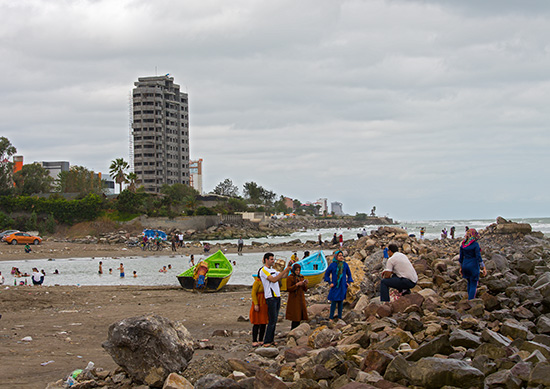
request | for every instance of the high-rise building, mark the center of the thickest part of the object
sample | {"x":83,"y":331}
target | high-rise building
{"x":336,"y":208}
{"x":160,"y":130}
{"x":195,"y":175}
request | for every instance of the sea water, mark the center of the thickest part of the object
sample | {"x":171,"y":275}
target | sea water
{"x":84,"y":271}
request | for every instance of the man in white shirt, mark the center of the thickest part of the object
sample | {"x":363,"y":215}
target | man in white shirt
{"x":270,"y":281}
{"x":398,"y":274}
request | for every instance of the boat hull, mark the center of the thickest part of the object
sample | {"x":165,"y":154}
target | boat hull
{"x":218,"y":274}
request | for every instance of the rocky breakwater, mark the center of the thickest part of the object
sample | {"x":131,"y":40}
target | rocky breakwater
{"x":432,"y":338}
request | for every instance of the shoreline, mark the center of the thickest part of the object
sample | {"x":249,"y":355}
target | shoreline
{"x":63,"y":250}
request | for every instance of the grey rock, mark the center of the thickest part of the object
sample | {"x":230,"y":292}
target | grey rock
{"x":540,"y":375}
{"x":149,"y":347}
{"x":497,"y":262}
{"x":503,"y":379}
{"x":495,"y":338}
{"x":543,"y":339}
{"x":543,"y":325}
{"x":305,"y":383}
{"x":397,"y":370}
{"x":264,"y":380}
{"x":464,"y":339}
{"x":438,"y":345}
{"x":484,"y":364}
{"x":208,"y":364}
{"x":514,"y":330}
{"x":330,"y":358}
{"x":214,"y":381}
{"x":522,"y":370}
{"x":490,"y":350}
{"x":536,"y":357}
{"x":532,"y":346}
{"x":267,"y":352}
{"x":437,"y":372}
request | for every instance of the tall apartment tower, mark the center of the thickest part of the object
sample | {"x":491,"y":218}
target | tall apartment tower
{"x":160,"y":129}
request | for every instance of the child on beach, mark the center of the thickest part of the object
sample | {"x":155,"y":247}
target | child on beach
{"x":27,"y":248}
{"x":121,"y":268}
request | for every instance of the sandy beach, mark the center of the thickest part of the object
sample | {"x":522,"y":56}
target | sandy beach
{"x":68,"y":325}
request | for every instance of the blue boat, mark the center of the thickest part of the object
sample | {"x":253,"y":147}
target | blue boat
{"x":152,"y":234}
{"x":313,"y":269}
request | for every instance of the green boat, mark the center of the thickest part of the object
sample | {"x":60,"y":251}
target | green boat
{"x":216,"y":270}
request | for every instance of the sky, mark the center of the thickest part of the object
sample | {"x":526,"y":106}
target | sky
{"x":424,"y":109}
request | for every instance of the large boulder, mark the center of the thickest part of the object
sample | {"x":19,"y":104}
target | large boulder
{"x":149,"y":347}
{"x":438,"y":372}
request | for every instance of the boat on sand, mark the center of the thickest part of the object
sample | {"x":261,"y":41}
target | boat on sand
{"x":209,"y":275}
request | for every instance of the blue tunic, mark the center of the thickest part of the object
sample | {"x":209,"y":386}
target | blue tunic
{"x":470,"y":262}
{"x":331,"y":276}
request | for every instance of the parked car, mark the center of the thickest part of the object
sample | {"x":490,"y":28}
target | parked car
{"x":6,"y":233}
{"x":22,"y":237}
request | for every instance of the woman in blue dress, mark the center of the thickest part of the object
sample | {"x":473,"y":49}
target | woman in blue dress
{"x":338,"y":275}
{"x":471,"y":263}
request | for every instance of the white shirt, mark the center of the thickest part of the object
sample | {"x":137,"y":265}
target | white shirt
{"x":1,"y":279}
{"x":400,"y":265}
{"x":271,"y":289}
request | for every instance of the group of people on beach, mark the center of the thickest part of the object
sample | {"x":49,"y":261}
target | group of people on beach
{"x":398,"y":277}
{"x":266,"y":295}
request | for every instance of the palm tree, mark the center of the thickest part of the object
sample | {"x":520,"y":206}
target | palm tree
{"x":131,"y":178}
{"x":117,"y":168}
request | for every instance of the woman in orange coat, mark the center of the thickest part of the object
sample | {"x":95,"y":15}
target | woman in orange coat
{"x":258,"y":312}
{"x":296,"y":285}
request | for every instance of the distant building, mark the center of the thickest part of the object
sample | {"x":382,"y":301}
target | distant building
{"x":160,"y":131}
{"x":17,"y":163}
{"x":289,"y":203}
{"x":195,"y":175}
{"x":323,"y":206}
{"x":55,"y":167}
{"x":336,"y":208}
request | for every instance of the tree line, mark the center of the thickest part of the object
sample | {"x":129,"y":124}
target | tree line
{"x":31,"y":199}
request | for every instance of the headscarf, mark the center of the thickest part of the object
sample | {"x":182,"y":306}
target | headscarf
{"x":340,"y":270}
{"x":471,"y":236}
{"x":294,"y":267}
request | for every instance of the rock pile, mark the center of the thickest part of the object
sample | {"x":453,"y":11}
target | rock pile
{"x":432,"y":338}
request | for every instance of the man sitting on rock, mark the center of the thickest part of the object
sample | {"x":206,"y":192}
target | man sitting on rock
{"x":398,"y":274}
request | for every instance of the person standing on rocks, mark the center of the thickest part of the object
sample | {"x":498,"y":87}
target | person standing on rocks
{"x":471,"y":263}
{"x":258,"y":312}
{"x":320,"y":237}
{"x":272,"y":293}
{"x":399,"y":274}
{"x":334,"y":239}
{"x":338,"y":275}
{"x":296,"y":286}
{"x":453,"y":232}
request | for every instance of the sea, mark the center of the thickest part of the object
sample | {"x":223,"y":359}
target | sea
{"x":84,"y":271}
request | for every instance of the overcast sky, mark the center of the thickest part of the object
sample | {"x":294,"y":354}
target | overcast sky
{"x":425,"y":109}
